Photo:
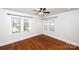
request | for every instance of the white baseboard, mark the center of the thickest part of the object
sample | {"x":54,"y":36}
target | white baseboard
{"x":70,"y":42}
{"x":16,"y":40}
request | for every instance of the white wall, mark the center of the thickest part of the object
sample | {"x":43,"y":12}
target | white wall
{"x":6,"y":36}
{"x":66,"y":27}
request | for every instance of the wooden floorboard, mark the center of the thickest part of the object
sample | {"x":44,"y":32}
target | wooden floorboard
{"x":41,"y":42}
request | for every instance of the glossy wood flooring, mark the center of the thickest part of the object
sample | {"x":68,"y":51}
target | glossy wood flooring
{"x":41,"y":42}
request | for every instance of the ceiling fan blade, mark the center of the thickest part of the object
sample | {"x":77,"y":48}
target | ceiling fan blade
{"x":44,"y":9}
{"x":46,"y":12}
{"x":40,"y":10}
{"x":36,"y":10}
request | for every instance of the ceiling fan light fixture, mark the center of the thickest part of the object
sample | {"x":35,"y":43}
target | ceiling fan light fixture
{"x":41,"y":13}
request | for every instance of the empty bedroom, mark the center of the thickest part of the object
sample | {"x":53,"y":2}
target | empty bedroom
{"x":39,"y":28}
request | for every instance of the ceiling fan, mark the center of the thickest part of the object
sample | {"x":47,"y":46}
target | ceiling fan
{"x":41,"y":11}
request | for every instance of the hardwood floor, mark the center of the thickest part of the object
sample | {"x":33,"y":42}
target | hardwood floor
{"x":41,"y":42}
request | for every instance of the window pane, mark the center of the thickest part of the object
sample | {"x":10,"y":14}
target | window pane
{"x":26,"y":25}
{"x":16,"y":25}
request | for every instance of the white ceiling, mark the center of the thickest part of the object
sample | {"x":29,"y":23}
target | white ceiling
{"x":52,"y":10}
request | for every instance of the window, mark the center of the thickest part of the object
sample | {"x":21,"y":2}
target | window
{"x":26,"y":25}
{"x":20,"y":24}
{"x":49,"y":25}
{"x":16,"y":25}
